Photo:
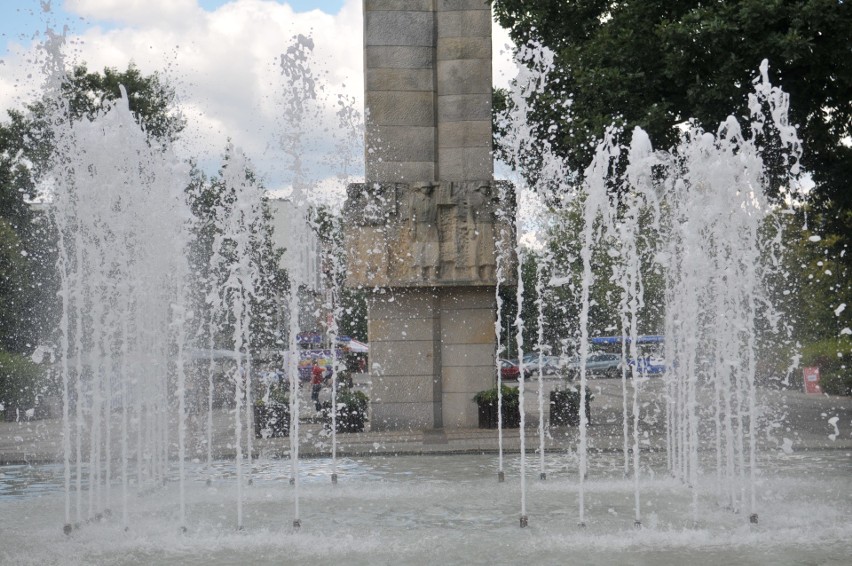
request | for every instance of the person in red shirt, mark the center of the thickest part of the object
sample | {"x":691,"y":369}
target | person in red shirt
{"x":316,"y":383}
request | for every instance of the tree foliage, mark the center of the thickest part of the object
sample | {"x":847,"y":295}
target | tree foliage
{"x":656,"y":64}
{"x":210,"y":200}
{"x":151,"y":100}
{"x":28,"y":302}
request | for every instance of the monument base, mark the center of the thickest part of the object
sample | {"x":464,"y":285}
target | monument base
{"x":431,"y":351}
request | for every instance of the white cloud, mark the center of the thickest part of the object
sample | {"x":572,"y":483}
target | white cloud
{"x":142,"y":13}
{"x":503,"y":67}
{"x":224,"y":65}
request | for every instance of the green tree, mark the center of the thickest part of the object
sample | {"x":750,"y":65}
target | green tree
{"x":210,"y":199}
{"x":28,"y":301}
{"x":350,"y":304}
{"x":656,"y":64}
{"x":151,"y":100}
{"x":26,"y":250}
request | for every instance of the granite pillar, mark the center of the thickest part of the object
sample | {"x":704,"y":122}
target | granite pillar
{"x":423,"y":233}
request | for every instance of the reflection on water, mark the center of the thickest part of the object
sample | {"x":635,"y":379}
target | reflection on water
{"x":22,"y":481}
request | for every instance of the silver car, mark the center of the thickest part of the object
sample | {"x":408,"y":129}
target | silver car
{"x":598,"y":364}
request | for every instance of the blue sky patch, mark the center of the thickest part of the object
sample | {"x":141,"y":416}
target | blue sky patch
{"x":20,"y":21}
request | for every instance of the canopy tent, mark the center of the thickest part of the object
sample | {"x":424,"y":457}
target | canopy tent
{"x":358,"y":347}
{"x":649,"y":339}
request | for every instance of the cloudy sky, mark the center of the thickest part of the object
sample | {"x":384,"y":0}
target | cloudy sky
{"x":222,"y":57}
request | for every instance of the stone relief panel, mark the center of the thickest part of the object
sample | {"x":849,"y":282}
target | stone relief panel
{"x":428,"y":234}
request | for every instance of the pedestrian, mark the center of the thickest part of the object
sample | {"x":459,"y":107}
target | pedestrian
{"x":316,"y":383}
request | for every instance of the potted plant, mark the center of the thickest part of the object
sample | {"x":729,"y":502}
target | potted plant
{"x":565,"y":406}
{"x":272,"y":414}
{"x":487,"y":402}
{"x":351,"y":411}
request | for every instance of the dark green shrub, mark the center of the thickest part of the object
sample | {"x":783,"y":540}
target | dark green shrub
{"x":565,"y":406}
{"x":487,"y":403}
{"x":836,"y":383}
{"x":835,"y":370}
{"x":352,"y":409}
{"x":272,"y":418}
{"x":20,"y":381}
{"x":489,"y":396}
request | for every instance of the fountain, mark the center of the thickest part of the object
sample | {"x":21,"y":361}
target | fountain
{"x":142,"y":481}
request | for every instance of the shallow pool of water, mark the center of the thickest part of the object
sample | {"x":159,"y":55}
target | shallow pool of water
{"x":441,"y":509}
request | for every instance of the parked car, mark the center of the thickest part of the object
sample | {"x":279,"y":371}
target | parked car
{"x":509,"y":370}
{"x":650,"y":365}
{"x":550,"y":365}
{"x":598,"y":364}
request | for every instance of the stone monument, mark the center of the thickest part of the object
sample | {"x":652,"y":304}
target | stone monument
{"x":426,"y":230}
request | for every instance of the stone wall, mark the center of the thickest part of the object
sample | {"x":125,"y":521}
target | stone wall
{"x":431,"y":351}
{"x":427,"y":72}
{"x":424,"y":234}
{"x":428,"y":234}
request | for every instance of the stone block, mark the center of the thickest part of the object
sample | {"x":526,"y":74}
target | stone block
{"x":452,"y":48}
{"x":399,"y":57}
{"x":403,"y":389}
{"x":401,"y":416}
{"x":403,"y":305}
{"x":459,"y":411}
{"x":405,"y":172}
{"x":414,"y":329}
{"x":468,"y":380}
{"x":399,"y":28}
{"x":465,"y":298}
{"x":464,"y":76}
{"x":367,"y":260}
{"x":400,"y":79}
{"x":464,"y":107}
{"x":464,"y":134}
{"x":468,"y":327}
{"x":402,"y":358}
{"x":450,"y":5}
{"x":398,"y":5}
{"x":403,"y":143}
{"x":464,"y":23}
{"x":467,"y":355}
{"x":400,"y":108}
{"x":465,"y":163}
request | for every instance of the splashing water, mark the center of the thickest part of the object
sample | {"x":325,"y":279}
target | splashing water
{"x":698,"y":213}
{"x":124,"y":225}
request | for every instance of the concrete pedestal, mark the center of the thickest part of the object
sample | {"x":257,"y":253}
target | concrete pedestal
{"x":423,"y":232}
{"x":431,"y":351}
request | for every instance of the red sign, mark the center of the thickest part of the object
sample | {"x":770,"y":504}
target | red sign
{"x":812,"y":381}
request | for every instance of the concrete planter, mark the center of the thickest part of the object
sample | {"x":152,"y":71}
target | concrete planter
{"x":488,"y":416}
{"x":271,"y":421}
{"x":565,"y":407}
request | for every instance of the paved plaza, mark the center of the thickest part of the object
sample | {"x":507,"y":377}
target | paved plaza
{"x":806,"y":421}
